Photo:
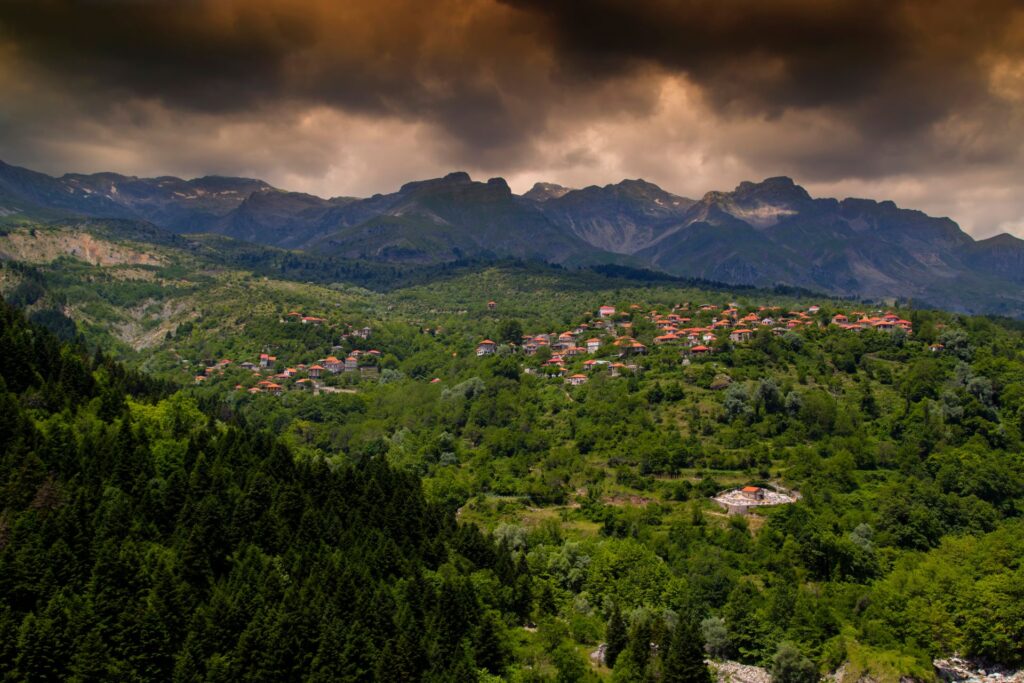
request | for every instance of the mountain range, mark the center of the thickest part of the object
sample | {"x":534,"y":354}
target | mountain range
{"x":763,"y":234}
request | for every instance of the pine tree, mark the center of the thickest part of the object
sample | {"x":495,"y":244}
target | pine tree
{"x":491,"y":650}
{"x":684,"y":660}
{"x":92,"y":659}
{"x":634,"y":662}
{"x":616,"y":637}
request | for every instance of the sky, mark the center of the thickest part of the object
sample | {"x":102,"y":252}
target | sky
{"x":919,"y":101}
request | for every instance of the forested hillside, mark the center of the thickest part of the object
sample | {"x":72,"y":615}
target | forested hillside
{"x":142,"y":540}
{"x":448,"y":510}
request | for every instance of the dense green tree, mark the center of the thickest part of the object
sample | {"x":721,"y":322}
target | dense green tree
{"x":616,"y":636}
{"x":683,"y":661}
{"x":790,"y":665}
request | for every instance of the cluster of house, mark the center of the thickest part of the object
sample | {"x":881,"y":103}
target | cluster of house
{"x":300,"y":376}
{"x":887,"y":322}
{"x":674,"y":330}
{"x":698,"y":330}
{"x":297,"y":317}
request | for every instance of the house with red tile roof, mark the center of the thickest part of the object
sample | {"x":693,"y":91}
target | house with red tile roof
{"x":740,"y":335}
{"x":486,"y":348}
{"x":752,"y":492}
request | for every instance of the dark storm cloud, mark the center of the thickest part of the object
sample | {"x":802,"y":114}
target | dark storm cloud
{"x":489,"y":74}
{"x":890,"y":67}
{"x":828,"y":51}
{"x":454,"y":63}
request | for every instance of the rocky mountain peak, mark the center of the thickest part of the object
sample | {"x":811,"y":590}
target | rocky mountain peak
{"x":775,"y":189}
{"x":542,"y":192}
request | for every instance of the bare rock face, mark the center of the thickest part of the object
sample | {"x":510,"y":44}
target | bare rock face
{"x":734,"y":672}
{"x":541,"y":192}
{"x":44,"y":246}
{"x":956,"y":669}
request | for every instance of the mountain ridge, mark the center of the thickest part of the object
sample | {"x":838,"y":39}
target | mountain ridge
{"x":764,"y":233}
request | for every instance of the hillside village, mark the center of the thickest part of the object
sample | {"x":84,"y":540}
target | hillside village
{"x":612,"y":344}
{"x":269,"y":375}
{"x":612,"y":340}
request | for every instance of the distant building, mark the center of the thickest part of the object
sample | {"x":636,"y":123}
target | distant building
{"x":486,"y":348}
{"x":752,"y":492}
{"x":742,"y":501}
{"x":740,"y":335}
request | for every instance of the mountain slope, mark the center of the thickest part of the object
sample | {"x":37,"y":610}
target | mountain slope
{"x":172,"y":203}
{"x":446,"y":219}
{"x":621,"y":218}
{"x":1001,"y":256}
{"x":775,"y":232}
{"x":763,"y":234}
